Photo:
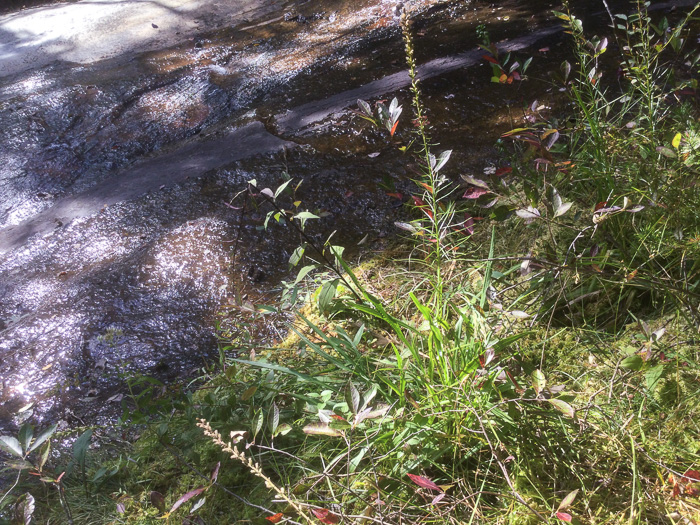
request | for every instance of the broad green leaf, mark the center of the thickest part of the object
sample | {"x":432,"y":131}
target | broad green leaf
{"x":539,"y":382}
{"x":281,"y":188}
{"x":653,"y":375}
{"x":563,"y":407}
{"x":297,"y":255}
{"x":666,"y":152}
{"x":46,"y":434}
{"x":304,"y":272}
{"x":44,"y":455}
{"x":633,"y":362}
{"x":250,"y":392}
{"x":283,"y":429}
{"x":19,"y":464}
{"x":11,"y":445}
{"x":81,"y":445}
{"x":26,"y":433}
{"x":327,"y":294}
{"x":355,"y":461}
{"x":259,"y":419}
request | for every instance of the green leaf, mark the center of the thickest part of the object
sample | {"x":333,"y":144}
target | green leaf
{"x":25,"y":436}
{"x":653,"y":375}
{"x":274,"y":418}
{"x":355,"y":461}
{"x":352,"y":397}
{"x":250,"y":392}
{"x":563,"y":407}
{"x":633,"y":362}
{"x":44,"y":456}
{"x":259,"y":419}
{"x":281,"y":188}
{"x":10,"y":445}
{"x":539,"y":382}
{"x":568,"y":500}
{"x":666,"y":152}
{"x":304,"y":272}
{"x":297,"y":256}
{"x":283,"y":429}
{"x":327,"y":294}
{"x":46,"y":434}
{"x":81,"y":445}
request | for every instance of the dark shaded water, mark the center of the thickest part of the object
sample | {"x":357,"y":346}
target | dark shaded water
{"x":115,"y":238}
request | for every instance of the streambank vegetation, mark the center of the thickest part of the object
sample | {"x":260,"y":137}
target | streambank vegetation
{"x":527,"y":352}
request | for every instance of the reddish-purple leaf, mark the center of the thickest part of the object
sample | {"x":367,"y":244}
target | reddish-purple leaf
{"x":325,"y":516}
{"x":191,"y":494}
{"x":424,"y":482}
{"x":563,"y":516}
{"x":474,"y":192}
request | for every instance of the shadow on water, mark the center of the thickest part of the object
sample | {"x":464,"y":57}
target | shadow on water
{"x":115,"y":238}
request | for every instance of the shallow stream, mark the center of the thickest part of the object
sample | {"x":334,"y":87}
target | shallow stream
{"x":116,"y":234}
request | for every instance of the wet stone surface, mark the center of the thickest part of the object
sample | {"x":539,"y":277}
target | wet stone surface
{"x":132,"y":282}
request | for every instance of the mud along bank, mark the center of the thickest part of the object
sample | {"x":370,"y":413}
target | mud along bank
{"x":115,"y":236}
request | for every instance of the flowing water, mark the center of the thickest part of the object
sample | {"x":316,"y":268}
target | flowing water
{"x":118,"y":245}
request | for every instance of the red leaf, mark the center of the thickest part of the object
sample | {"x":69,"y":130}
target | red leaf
{"x":275,"y":518}
{"x":396,"y":195}
{"x":563,"y":516}
{"x":336,"y":416}
{"x":490,"y":59}
{"x":393,"y":129}
{"x":474,"y":192}
{"x":424,"y":482}
{"x":418,"y":201}
{"x":503,"y":171}
{"x":325,"y":516}
{"x":693,"y":475}
{"x":600,"y":205}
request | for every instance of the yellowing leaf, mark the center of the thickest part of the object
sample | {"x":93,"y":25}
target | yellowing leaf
{"x":676,"y":142}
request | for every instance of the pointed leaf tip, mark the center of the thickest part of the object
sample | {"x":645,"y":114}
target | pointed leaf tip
{"x":424,"y":482}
